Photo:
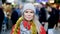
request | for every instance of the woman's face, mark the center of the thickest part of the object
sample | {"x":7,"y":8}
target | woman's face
{"x":28,"y":14}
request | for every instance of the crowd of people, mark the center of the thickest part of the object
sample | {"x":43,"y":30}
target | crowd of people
{"x":29,"y":17}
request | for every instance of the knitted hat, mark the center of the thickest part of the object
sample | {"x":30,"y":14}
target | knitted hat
{"x":29,"y":6}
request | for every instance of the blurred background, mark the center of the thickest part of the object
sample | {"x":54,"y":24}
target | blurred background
{"x":48,"y":12}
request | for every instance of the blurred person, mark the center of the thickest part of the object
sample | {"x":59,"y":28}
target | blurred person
{"x":37,"y":6}
{"x":1,"y":18}
{"x":15,"y":14}
{"x":18,"y":10}
{"x":14,"y":17}
{"x":7,"y":14}
{"x":58,"y":8}
{"x":54,"y":16}
{"x":42,"y":15}
{"x":28,"y":23}
{"x":21,"y":7}
{"x":38,"y":9}
{"x":48,"y":9}
{"x":11,"y":16}
{"x":59,"y":14}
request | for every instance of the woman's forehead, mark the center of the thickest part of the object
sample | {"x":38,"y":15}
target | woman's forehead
{"x":29,"y":10}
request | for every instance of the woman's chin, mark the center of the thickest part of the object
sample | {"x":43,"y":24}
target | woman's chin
{"x":29,"y":19}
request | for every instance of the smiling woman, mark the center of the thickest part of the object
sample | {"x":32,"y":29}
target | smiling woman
{"x":28,"y":23}
{"x":28,"y":14}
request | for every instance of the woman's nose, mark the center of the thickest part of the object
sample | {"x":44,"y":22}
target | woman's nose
{"x":29,"y":14}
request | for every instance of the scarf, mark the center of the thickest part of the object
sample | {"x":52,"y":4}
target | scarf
{"x":33,"y":26}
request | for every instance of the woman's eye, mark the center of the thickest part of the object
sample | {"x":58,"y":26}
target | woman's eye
{"x":26,"y":12}
{"x":31,"y":12}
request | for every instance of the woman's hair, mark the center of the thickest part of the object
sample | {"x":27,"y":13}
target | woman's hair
{"x":37,"y":23}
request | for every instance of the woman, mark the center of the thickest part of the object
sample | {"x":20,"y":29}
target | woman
{"x":28,"y":23}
